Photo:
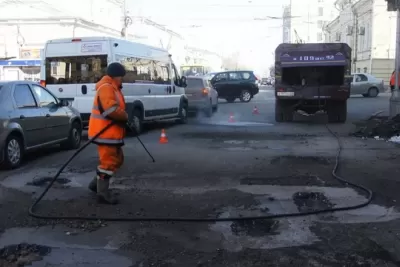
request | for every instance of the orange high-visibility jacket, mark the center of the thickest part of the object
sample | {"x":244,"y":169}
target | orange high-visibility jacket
{"x":108,"y":106}
{"x":392,"y":81}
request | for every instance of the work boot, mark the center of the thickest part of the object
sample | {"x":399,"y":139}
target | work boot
{"x":104,"y":195}
{"x":93,"y":185}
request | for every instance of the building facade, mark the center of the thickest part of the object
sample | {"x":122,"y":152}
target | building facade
{"x":23,"y":36}
{"x":304,"y":21}
{"x":370,"y":31}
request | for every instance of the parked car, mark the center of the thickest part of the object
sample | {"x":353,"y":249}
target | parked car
{"x":366,"y":85}
{"x":31,"y":117}
{"x":201,"y":95}
{"x":235,"y":84}
{"x":210,"y":75}
{"x":265,"y":81}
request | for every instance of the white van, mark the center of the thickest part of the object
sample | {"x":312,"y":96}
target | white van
{"x":152,"y":86}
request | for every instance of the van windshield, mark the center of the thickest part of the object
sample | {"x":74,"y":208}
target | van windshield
{"x":78,"y":69}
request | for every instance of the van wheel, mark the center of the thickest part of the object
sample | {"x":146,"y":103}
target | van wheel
{"x":13,"y":152}
{"x":74,"y":138}
{"x":136,"y":122}
{"x":208,"y":111}
{"x":230,"y":99}
{"x":245,"y":96}
{"x":337,"y":111}
{"x":215,"y":108}
{"x":183,"y":114}
{"x":283,"y":111}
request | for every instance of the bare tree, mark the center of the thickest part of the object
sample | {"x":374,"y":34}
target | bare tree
{"x":272,"y":70}
{"x":232,"y":62}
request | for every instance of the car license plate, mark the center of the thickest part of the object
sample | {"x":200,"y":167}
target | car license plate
{"x":285,"y":93}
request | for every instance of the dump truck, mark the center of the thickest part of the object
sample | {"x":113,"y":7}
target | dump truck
{"x":312,"y":78}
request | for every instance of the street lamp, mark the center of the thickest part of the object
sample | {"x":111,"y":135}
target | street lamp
{"x":394,"y":104}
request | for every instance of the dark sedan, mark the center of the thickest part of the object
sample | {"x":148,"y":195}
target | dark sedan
{"x":32,"y":117}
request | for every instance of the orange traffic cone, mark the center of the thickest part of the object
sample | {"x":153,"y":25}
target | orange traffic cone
{"x":163,"y":137}
{"x":231,"y":118}
{"x":255,"y":110}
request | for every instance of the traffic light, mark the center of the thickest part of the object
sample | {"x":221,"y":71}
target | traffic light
{"x":393,"y":5}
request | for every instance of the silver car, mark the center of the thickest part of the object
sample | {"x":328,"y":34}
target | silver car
{"x":366,"y":85}
{"x":31,"y":117}
{"x":201,"y":95}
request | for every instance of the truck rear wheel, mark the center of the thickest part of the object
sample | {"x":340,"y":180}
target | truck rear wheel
{"x":337,"y":111}
{"x":283,"y":111}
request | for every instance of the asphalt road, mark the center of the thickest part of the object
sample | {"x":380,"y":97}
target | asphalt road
{"x":215,"y":168}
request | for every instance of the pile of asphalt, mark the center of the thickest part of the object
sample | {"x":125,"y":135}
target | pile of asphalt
{"x":378,"y":126}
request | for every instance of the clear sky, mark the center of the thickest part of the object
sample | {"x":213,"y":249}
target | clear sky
{"x":223,"y":26}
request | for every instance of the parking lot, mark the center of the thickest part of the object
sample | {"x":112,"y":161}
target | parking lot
{"x":234,"y":164}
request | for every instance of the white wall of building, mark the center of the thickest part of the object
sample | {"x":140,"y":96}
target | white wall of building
{"x":34,"y":22}
{"x":308,"y":18}
{"x":383,"y":31}
{"x":102,"y":12}
{"x":371,"y":36}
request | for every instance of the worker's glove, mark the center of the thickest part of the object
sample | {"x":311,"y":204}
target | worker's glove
{"x":121,"y":123}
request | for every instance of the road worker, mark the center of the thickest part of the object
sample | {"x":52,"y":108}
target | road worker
{"x":392,"y":81}
{"x":108,"y":107}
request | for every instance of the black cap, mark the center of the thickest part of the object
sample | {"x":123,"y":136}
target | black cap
{"x":116,"y":70}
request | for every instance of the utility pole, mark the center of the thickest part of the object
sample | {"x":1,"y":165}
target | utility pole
{"x":290,"y":19}
{"x":355,"y":32}
{"x":126,"y":21}
{"x":394,"y":104}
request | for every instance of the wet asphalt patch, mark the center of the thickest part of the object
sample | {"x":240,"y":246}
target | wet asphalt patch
{"x":300,"y":160}
{"x":255,"y":228}
{"x":297,"y":180}
{"x":244,"y":135}
{"x":44,"y":181}
{"x":22,"y":254}
{"x":351,"y":246}
{"x":311,"y":201}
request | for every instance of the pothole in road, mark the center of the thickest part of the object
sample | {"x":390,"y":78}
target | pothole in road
{"x":22,"y":254}
{"x":80,"y":169}
{"x":297,"y":180}
{"x":311,"y":201}
{"x":44,"y":181}
{"x":300,"y":160}
{"x":255,"y":228}
{"x":244,"y":135}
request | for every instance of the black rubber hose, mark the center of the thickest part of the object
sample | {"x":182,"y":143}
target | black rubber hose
{"x":185,"y":219}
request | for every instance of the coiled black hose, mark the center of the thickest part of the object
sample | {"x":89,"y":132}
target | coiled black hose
{"x":34,"y":214}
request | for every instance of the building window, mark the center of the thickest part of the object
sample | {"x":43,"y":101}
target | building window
{"x":320,"y":24}
{"x":338,"y":37}
{"x":365,"y":70}
{"x":319,"y":36}
{"x":320,"y":11}
{"x":368,"y":36}
{"x":358,"y":70}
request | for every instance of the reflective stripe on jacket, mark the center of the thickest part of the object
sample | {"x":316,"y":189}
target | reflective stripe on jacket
{"x":99,"y":120}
